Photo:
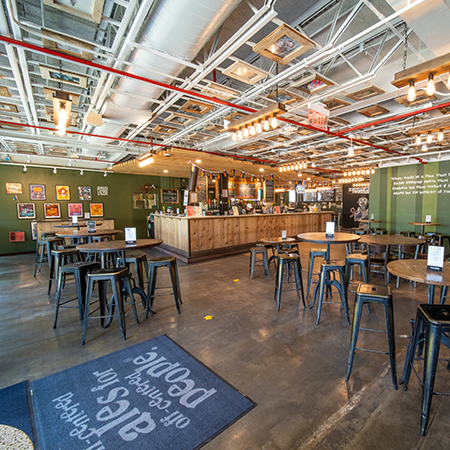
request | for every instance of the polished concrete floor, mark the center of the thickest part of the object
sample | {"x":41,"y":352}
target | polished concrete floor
{"x":293,"y":369}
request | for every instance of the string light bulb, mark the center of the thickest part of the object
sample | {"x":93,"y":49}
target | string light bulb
{"x":411,"y":91}
{"x":252,"y":130}
{"x":239,"y":134}
{"x":429,"y":137}
{"x":418,"y":140}
{"x":234,"y":137}
{"x":431,"y":87}
{"x":440,"y":137}
{"x":266,"y":125}
{"x":246,"y":133}
{"x":273,"y":122}
{"x":258,"y":127}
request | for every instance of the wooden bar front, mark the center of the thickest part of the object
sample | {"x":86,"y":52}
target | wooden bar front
{"x":197,"y":238}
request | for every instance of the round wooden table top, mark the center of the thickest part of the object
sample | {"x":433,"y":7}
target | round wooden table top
{"x":370,"y":221}
{"x":277,"y":240}
{"x":13,"y":438}
{"x":71,"y":225}
{"x":388,"y":239}
{"x":85,"y":233}
{"x":118,"y":245}
{"x":416,"y":270}
{"x":320,"y":238}
{"x":424,"y":224}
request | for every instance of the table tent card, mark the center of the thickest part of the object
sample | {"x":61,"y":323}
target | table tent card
{"x":329,"y":230}
{"x":74,"y":220}
{"x":372,"y":217}
{"x":283,"y":234}
{"x":130,"y":235}
{"x":428,"y":219}
{"x":91,"y":226}
{"x":435,"y":260}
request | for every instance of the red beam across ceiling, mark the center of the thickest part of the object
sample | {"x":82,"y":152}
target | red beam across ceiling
{"x":216,"y":100}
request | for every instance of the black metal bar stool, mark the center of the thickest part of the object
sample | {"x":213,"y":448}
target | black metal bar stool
{"x":432,"y":321}
{"x":408,"y":233}
{"x":368,"y":293}
{"x":141,"y":266}
{"x":119,"y":277}
{"x":80,"y":271}
{"x":44,"y":249}
{"x":358,"y":259}
{"x":59,"y":258}
{"x":331,"y":267}
{"x":314,"y":253}
{"x":440,"y":239}
{"x":285,"y":261}
{"x":265,"y":260}
{"x":154,"y":264}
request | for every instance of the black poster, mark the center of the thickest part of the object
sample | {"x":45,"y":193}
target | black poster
{"x":355,"y":206}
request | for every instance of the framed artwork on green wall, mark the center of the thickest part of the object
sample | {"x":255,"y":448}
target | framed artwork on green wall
{"x":62,"y":192}
{"x":75,"y":209}
{"x":169,"y":196}
{"x":96,"y":209}
{"x":52,"y":211}
{"x":13,"y":188}
{"x":26,"y":211}
{"x":37,"y":191}
{"x":84,"y":193}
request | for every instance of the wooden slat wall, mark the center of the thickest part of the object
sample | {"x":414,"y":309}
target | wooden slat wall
{"x":214,"y":233}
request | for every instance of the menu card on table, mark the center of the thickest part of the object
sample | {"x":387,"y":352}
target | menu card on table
{"x":130,"y":235}
{"x":428,"y":219}
{"x":329,"y":230}
{"x":74,"y":220}
{"x":283,"y":234}
{"x":372,"y":217}
{"x":91,"y":226}
{"x":435,"y":260}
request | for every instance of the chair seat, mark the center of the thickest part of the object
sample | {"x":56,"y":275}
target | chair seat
{"x":357,"y":256}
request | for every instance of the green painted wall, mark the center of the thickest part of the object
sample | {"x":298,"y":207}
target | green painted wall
{"x":396,"y":196}
{"x":118,"y":205}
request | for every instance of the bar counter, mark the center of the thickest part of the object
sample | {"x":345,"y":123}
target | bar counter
{"x":193,"y":239}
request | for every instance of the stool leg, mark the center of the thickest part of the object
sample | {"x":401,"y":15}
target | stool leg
{"x":347,"y":268}
{"x":129,"y":290}
{"x":322,"y":282}
{"x":118,"y":300}
{"x":139,"y":274}
{"x":310,"y":271}
{"x":411,"y":351}
{"x":279,"y":283}
{"x":266,"y":263}
{"x":89,"y":290}
{"x":443,"y":296}
{"x":354,"y":336}
{"x":433,"y":341}
{"x":57,"y":296}
{"x":389,"y":313}
{"x":151,"y":287}
{"x":173,"y":277}
{"x":252,"y":264}
{"x":299,"y":282}
{"x":178,"y":281}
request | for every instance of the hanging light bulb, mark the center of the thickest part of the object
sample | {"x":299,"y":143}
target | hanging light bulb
{"x":429,"y":137}
{"x":411,"y":91}
{"x":273,"y":122}
{"x":284,"y":169}
{"x":252,"y":130}
{"x":266,"y":125}
{"x":146,"y":161}
{"x":292,"y":167}
{"x":246,"y":132}
{"x":81,"y":172}
{"x":431,"y":88}
{"x":418,"y":140}
{"x":105,"y":174}
{"x":258,"y":127}
{"x":358,"y":172}
{"x":351,"y":151}
{"x":62,"y":123}
{"x":440,"y":135}
{"x":281,"y":169}
{"x":234,"y":137}
{"x":424,"y":147}
{"x":296,"y":167}
{"x":304,"y":165}
{"x":239,"y":134}
{"x":345,"y":174}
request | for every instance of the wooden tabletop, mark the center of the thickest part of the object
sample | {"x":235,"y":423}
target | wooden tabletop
{"x":277,"y":240}
{"x":370,"y":221}
{"x":85,"y":233}
{"x":424,"y":224}
{"x":71,"y":225}
{"x":320,"y":238}
{"x":118,"y":245}
{"x":388,"y":239}
{"x":416,"y":270}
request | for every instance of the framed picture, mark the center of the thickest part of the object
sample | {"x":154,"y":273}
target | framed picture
{"x":244,"y":72}
{"x":365,"y":92}
{"x":8,"y":107}
{"x":84,"y":193}
{"x":34,"y":233}
{"x":54,"y":74}
{"x":179,"y":119}
{"x":62,"y":193}
{"x":283,"y":45}
{"x":26,"y":211}
{"x":312,"y":83}
{"x":196,"y":107}
{"x":37,"y":191}
{"x":75,"y":210}
{"x":13,"y":188}
{"x":102,"y":191}
{"x":70,"y":46}
{"x":96,"y":209}
{"x":373,"y":111}
{"x":220,"y":91}
{"x":169,"y":195}
{"x":52,"y":211}
{"x":165,"y":129}
{"x":284,"y":96}
{"x":335,"y":103}
{"x":86,"y":9}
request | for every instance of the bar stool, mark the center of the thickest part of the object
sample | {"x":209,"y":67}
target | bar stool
{"x":80,"y":271}
{"x":440,"y":239}
{"x":408,"y":233}
{"x":154,"y":264}
{"x":59,"y":258}
{"x":141,"y":266}
{"x":117,"y":277}
{"x":45,"y":247}
{"x":369,"y":293}
{"x":432,"y":321}
{"x":265,"y":260}
{"x":287,"y":260}
{"x":331,"y":267}
{"x":314,"y":253}
{"x":358,"y":259}
{"x":380,"y":231}
{"x":267,"y":246}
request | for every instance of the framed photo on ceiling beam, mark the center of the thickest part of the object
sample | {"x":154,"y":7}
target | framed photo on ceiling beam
{"x":220,"y":91}
{"x":72,"y":46}
{"x":54,"y":74}
{"x":335,"y":103}
{"x":365,"y":92}
{"x":312,"y":83}
{"x":165,"y":129}
{"x":284,"y":44}
{"x":179,"y":119}
{"x":86,"y":9}
{"x":196,"y":107}
{"x":245,"y":72}
{"x":373,"y":111}
{"x":8,"y":107}
{"x":285,"y":96}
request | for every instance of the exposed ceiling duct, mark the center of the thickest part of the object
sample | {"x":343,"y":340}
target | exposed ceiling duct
{"x":176,"y":28}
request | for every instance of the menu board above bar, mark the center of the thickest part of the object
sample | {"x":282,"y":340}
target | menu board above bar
{"x":241,"y":188}
{"x":270,"y":191}
{"x":201,"y":189}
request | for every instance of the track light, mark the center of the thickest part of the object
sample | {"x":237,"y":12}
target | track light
{"x":411,"y":91}
{"x":351,"y":152}
{"x":418,"y":140}
{"x":440,"y":137}
{"x":25,"y":168}
{"x":54,"y":170}
{"x":81,"y":172}
{"x":429,"y":137}
{"x":431,"y":88}
{"x":105,"y":174}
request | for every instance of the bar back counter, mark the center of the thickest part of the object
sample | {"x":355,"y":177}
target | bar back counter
{"x":193,"y":239}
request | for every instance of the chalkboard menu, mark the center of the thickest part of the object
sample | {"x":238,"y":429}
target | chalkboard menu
{"x":248,"y":190}
{"x":270,"y":192}
{"x":201,"y":189}
{"x":169,"y":196}
{"x":231,"y":189}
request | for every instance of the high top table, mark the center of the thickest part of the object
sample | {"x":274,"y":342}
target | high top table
{"x":389,"y":239}
{"x":78,"y":234}
{"x":370,"y":222}
{"x":278,"y":241}
{"x":320,"y":238}
{"x":424,"y":224}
